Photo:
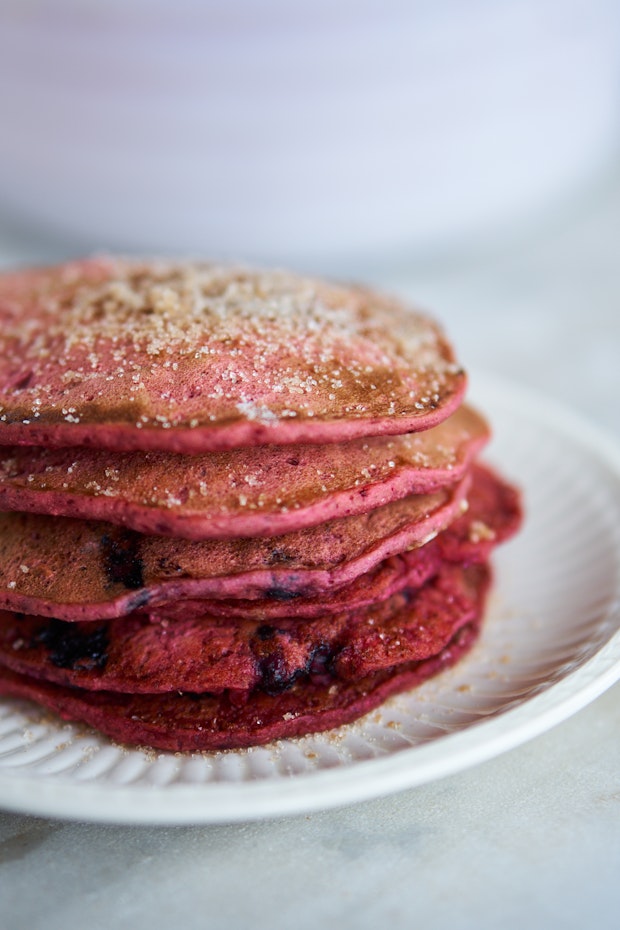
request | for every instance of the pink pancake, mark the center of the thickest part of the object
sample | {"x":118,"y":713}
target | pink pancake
{"x":409,"y":569}
{"x":248,"y":492}
{"x":79,"y":570}
{"x":494,"y":514}
{"x":187,"y":722}
{"x":133,"y":654}
{"x":193,"y":358}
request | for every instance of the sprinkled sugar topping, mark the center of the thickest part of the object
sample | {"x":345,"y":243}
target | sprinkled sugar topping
{"x":196,"y":357}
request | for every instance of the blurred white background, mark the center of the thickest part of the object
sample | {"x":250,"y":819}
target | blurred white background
{"x":326,"y":135}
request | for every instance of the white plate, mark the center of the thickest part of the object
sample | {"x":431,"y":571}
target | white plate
{"x":549,"y":646}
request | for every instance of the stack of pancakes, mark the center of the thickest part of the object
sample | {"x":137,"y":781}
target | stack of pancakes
{"x":236,"y":505}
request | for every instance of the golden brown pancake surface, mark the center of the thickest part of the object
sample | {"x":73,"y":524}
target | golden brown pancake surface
{"x":249,"y":492}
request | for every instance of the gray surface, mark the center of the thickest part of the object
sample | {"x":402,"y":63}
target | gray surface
{"x":529,"y":839}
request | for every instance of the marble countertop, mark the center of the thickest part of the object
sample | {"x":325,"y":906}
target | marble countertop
{"x":531,"y":838}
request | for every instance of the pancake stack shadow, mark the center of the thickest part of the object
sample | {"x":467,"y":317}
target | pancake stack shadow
{"x":236,"y":506}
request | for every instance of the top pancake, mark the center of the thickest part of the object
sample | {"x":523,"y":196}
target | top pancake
{"x":194,"y":358}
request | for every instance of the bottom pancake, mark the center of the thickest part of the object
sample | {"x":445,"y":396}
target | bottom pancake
{"x":232,"y":720}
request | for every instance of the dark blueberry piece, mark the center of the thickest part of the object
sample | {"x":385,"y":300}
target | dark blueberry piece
{"x":281,"y":594}
{"x":265,"y":632}
{"x":319,"y":667}
{"x":280,"y":557}
{"x":70,"y":648}
{"x":275,"y":677}
{"x":121,"y":559}
{"x":135,"y":603}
